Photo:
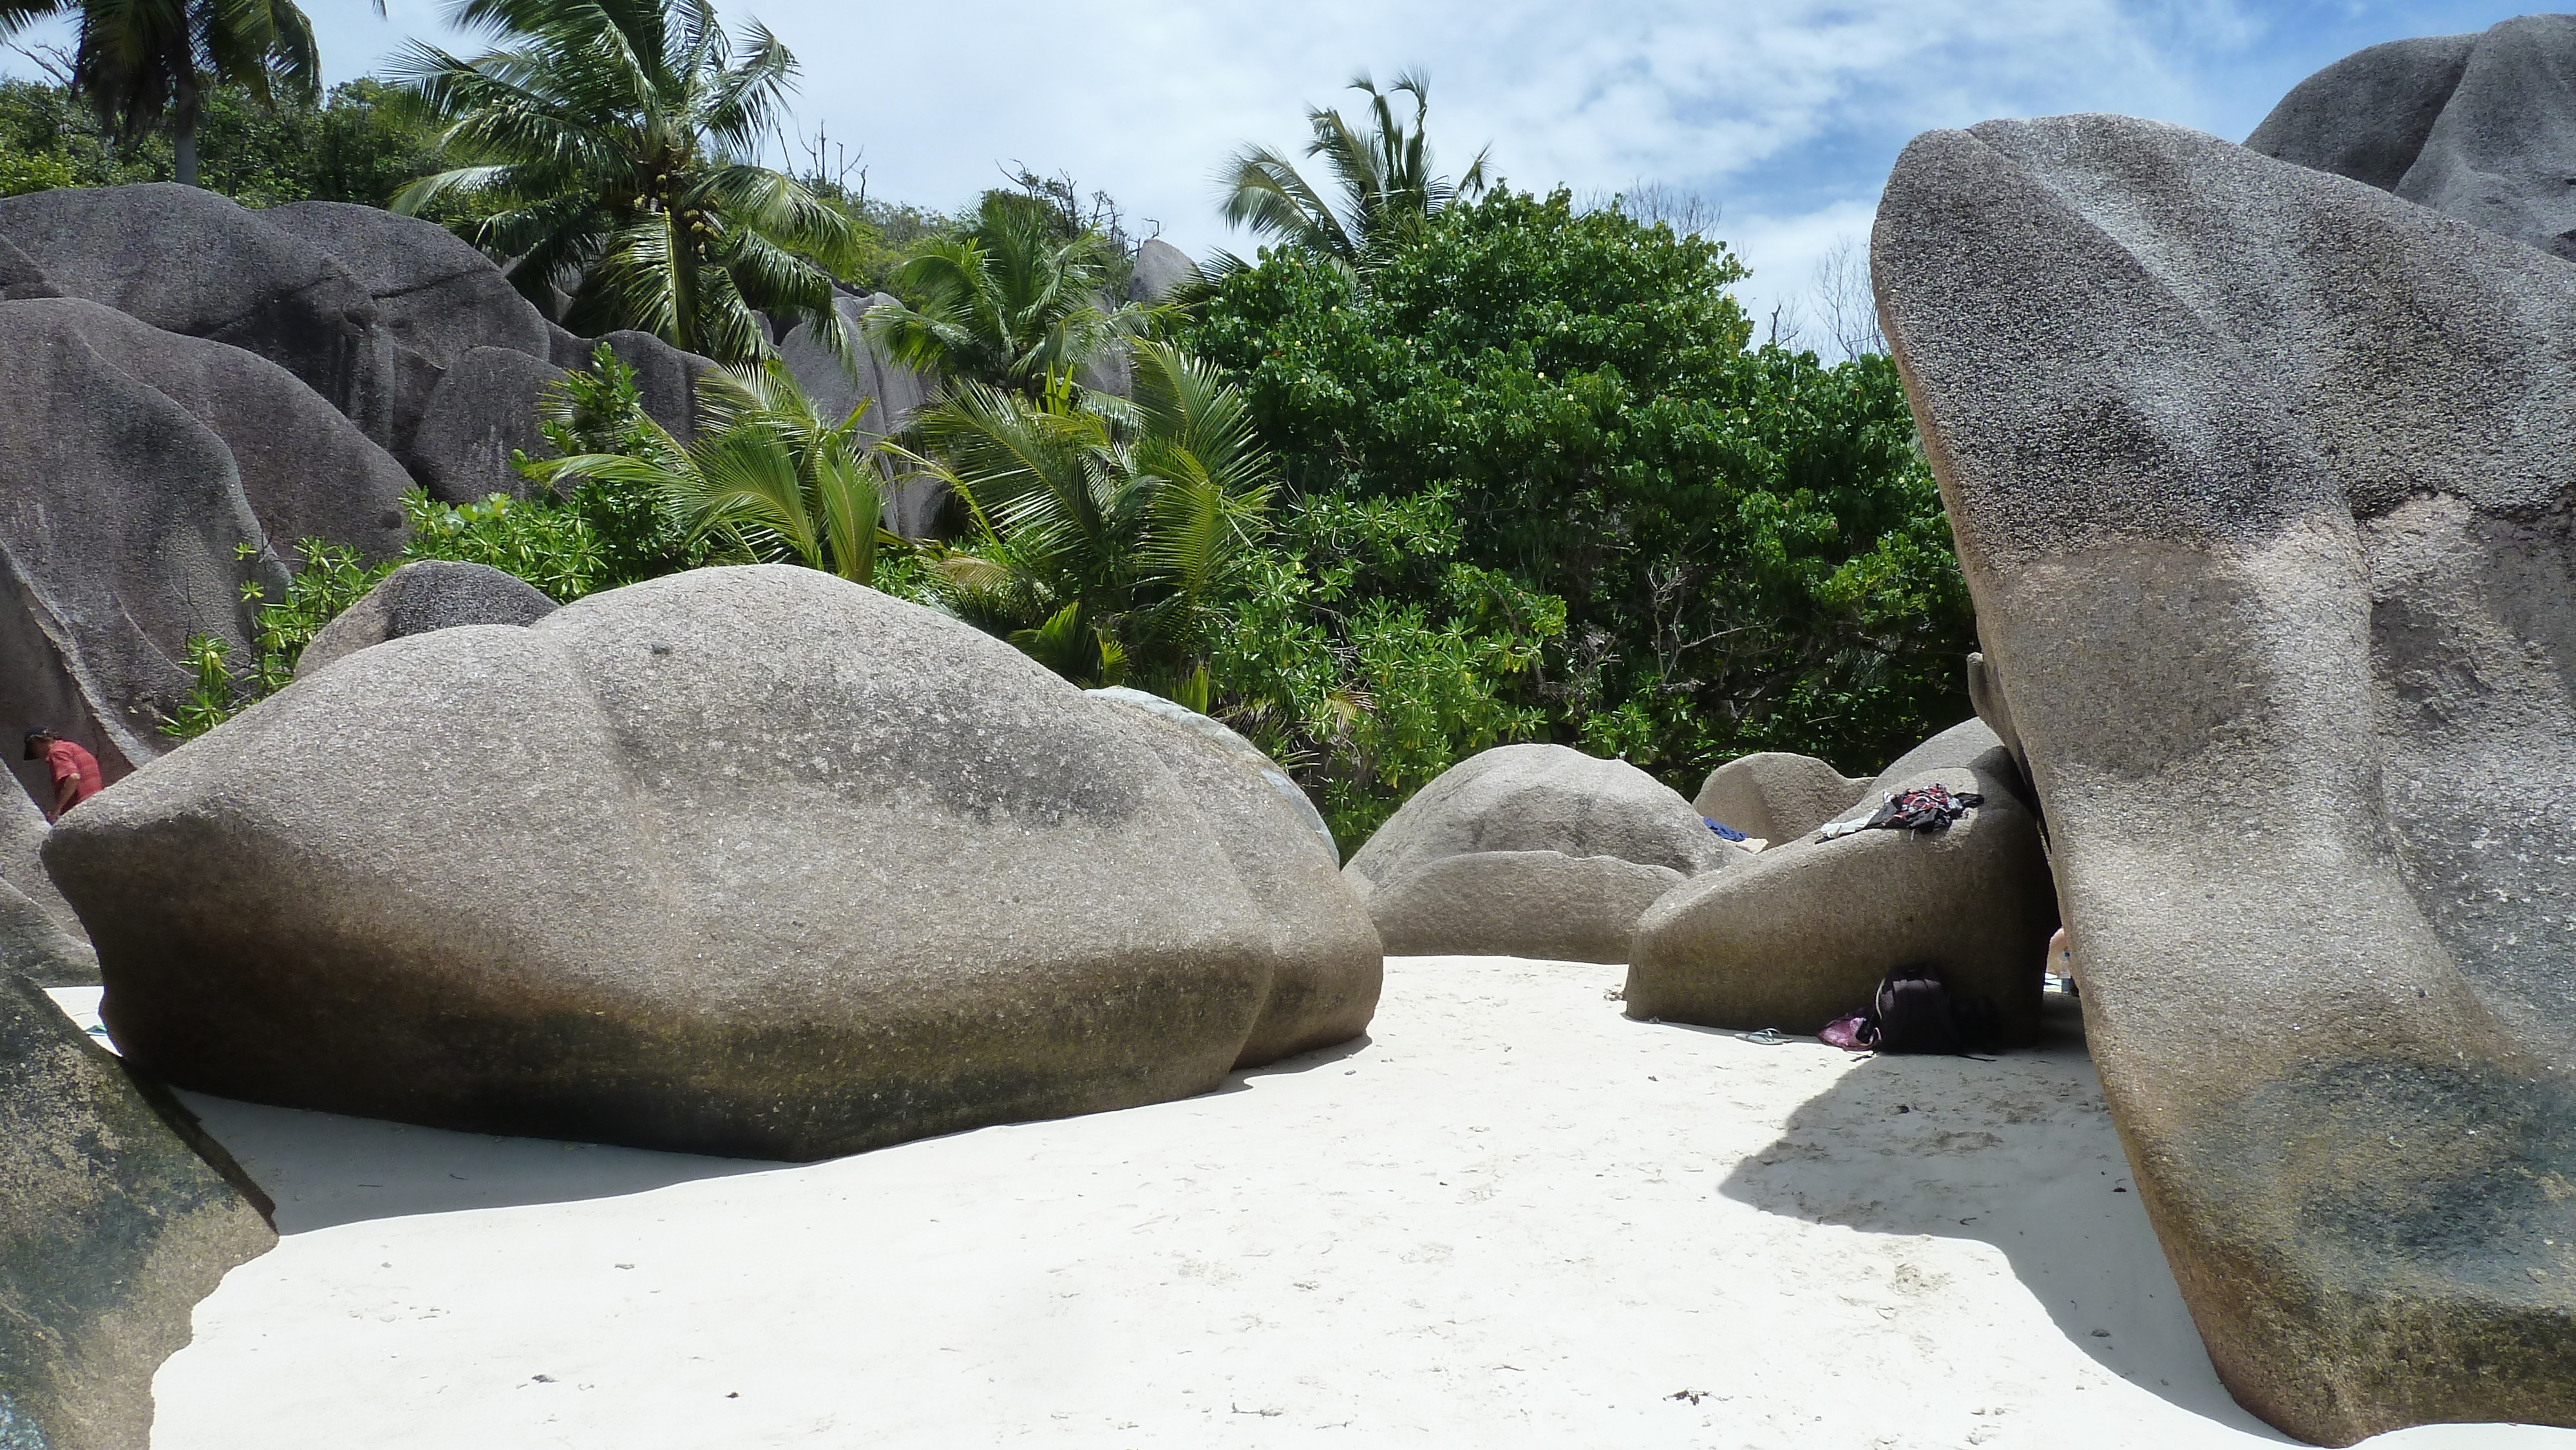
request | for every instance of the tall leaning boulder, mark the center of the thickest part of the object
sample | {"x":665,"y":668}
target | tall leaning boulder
{"x":1533,"y":851}
{"x":123,"y":529}
{"x":2262,"y":481}
{"x":2482,"y":127}
{"x":113,"y":1224}
{"x":186,"y":260}
{"x":750,"y":861}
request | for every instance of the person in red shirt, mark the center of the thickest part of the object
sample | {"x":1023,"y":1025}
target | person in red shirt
{"x":76,"y":776}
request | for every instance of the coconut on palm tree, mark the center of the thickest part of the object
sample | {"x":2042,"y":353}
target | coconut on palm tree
{"x":1011,"y":302}
{"x":1101,"y":532}
{"x":1382,"y":172}
{"x":147,"y":65}
{"x":615,"y":143}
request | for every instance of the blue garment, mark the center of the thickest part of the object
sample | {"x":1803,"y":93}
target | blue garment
{"x":1724,"y":832}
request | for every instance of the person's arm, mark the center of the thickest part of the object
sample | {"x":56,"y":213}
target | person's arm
{"x":63,"y":789}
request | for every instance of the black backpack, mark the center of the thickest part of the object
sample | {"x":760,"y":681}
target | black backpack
{"x":1916,"y":1012}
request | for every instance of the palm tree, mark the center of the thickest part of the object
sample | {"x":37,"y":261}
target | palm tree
{"x":1011,"y":303}
{"x":147,"y":65}
{"x":764,"y":469}
{"x":1388,"y":191}
{"x":618,"y":140}
{"x":1102,"y":531}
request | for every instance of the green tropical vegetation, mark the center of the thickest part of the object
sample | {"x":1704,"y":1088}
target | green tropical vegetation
{"x":148,"y":66}
{"x":1013,"y":299}
{"x":1443,"y":465}
{"x":612,"y":149}
{"x":1384,"y":190}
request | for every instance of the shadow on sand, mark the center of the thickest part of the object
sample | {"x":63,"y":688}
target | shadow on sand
{"x":2018,"y":1153}
{"x":325,"y":1169}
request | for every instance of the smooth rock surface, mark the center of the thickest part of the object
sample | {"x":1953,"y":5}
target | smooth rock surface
{"x":1330,"y":964}
{"x":751,"y":861}
{"x":488,"y":405}
{"x":1161,"y":270}
{"x":2261,"y":482}
{"x":2481,"y":127}
{"x":112,"y":1227}
{"x":121,"y":521}
{"x":1775,"y":796}
{"x":1460,"y":857}
{"x":306,"y":469}
{"x":420,"y":596}
{"x":1224,"y":737}
{"x":186,"y":260}
{"x":890,"y":392}
{"x":1803,"y":933}
{"x":20,"y":277}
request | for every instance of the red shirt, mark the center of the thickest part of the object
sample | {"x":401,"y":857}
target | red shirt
{"x":71,"y":763}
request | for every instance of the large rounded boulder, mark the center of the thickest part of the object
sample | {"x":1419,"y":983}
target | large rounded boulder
{"x":1775,"y":796}
{"x":1533,"y":851}
{"x":750,"y":861}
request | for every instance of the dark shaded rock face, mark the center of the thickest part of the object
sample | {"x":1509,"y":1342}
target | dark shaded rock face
{"x":121,"y":520}
{"x":761,"y":863}
{"x":2262,"y":482}
{"x":307,"y":471}
{"x":891,"y":392}
{"x":487,"y":407}
{"x":1804,"y":932}
{"x":1534,"y":851}
{"x":189,"y":261}
{"x":2482,"y":127}
{"x":112,"y":1227}
{"x":421,"y":596}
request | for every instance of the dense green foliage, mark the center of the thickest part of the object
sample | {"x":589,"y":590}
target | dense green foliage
{"x":1659,"y":543}
{"x":1012,"y":299}
{"x":147,"y":66}
{"x":1106,"y":537}
{"x":614,"y":146}
{"x":357,"y":146}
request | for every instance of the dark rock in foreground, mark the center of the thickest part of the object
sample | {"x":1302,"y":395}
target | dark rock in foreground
{"x":748,"y":861}
{"x":1532,"y":851}
{"x":112,"y":1227}
{"x":2261,"y":480}
{"x":2482,"y":127}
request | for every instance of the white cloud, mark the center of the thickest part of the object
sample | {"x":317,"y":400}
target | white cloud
{"x":1787,"y":112}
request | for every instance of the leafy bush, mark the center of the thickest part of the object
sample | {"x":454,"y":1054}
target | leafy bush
{"x":359,"y":145}
{"x":1681,"y":549}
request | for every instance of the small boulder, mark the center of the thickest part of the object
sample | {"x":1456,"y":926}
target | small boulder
{"x":1776,"y":796}
{"x":750,"y":861}
{"x":1161,"y":270}
{"x":1455,"y":870}
{"x":113,"y":1224}
{"x":1804,"y":932}
{"x":423,"y":595}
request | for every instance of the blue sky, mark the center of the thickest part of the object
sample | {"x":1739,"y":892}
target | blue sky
{"x":1785,"y":114}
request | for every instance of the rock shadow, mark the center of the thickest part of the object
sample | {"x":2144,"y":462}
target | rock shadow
{"x":325,"y":1169}
{"x":2019,"y":1153}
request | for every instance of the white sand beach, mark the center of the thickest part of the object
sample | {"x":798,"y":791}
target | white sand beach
{"x":1509,"y":1216}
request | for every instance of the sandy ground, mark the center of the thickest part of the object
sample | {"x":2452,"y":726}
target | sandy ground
{"x":1508,"y":1217}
